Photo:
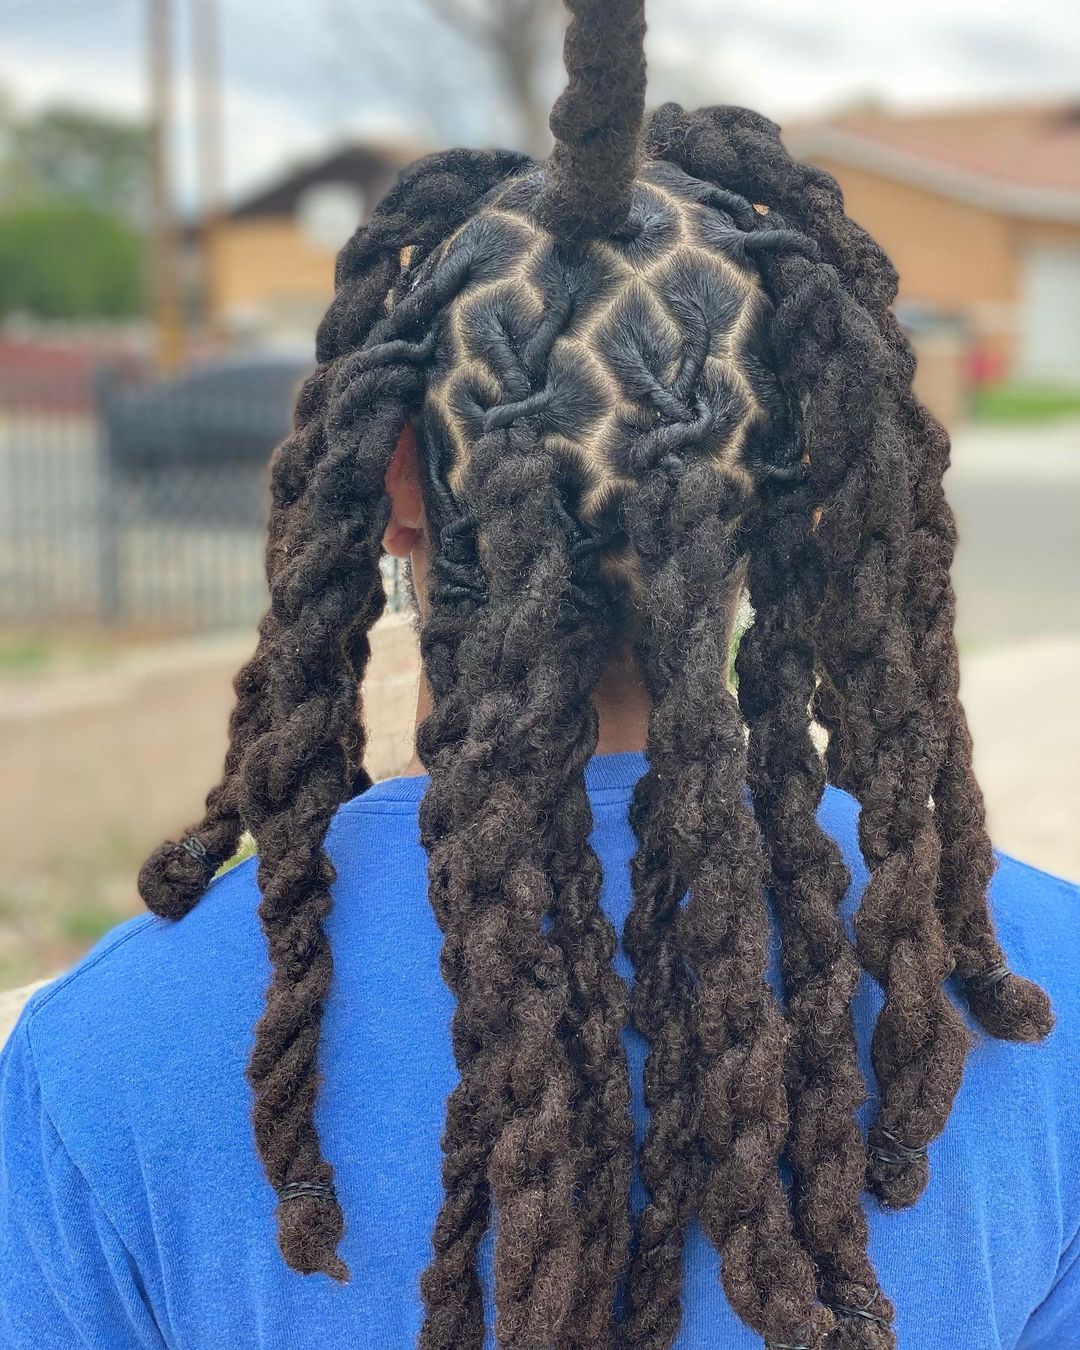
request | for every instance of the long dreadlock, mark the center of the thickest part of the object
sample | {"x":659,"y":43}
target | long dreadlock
{"x":658,"y":368}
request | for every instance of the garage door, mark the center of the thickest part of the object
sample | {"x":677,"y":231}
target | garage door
{"x":1050,"y":315}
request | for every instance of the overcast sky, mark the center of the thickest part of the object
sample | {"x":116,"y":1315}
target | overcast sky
{"x":300,"y":74}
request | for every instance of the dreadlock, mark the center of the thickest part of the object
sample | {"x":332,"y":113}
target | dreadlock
{"x":311,"y":766}
{"x":655,"y":372}
{"x":742,"y":150}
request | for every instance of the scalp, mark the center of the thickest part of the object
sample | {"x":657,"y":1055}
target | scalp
{"x":662,"y":325}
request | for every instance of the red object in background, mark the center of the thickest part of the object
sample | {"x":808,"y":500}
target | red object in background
{"x":37,"y":376}
{"x":985,"y":365}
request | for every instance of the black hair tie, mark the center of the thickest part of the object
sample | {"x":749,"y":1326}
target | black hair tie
{"x":210,"y":862}
{"x":984,"y":980}
{"x":848,"y":1310}
{"x":897,"y":1153}
{"x":319,"y":1190}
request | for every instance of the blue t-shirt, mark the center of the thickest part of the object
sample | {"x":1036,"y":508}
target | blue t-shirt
{"x":134,"y":1211}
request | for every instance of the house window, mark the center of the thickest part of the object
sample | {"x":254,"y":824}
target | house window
{"x":328,"y":213}
{"x":1050,"y":314}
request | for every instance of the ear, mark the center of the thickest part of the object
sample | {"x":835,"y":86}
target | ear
{"x":406,"y":500}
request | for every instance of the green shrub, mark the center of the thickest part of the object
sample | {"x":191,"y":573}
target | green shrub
{"x":69,"y":262}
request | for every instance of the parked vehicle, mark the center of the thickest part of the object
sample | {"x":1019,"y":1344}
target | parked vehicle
{"x":229,"y":411}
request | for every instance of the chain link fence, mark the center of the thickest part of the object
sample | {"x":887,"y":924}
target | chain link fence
{"x":128,"y":501}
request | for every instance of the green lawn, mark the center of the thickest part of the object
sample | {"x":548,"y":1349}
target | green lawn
{"x":23,"y":654}
{"x":1025,"y":403}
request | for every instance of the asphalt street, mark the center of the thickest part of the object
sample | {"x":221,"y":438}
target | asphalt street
{"x":1016,"y":494}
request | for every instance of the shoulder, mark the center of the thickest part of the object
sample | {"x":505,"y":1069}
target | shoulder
{"x":160,"y":1013}
{"x":148,"y":1015}
{"x":144,"y":955}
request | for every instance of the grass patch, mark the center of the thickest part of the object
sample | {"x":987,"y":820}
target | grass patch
{"x":1025,"y":403}
{"x":245,"y":851}
{"x":17,"y":969}
{"x":23,"y":654}
{"x":87,"y":923}
{"x":743,"y":621}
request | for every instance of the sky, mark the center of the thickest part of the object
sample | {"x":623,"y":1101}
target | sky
{"x":301,"y":75}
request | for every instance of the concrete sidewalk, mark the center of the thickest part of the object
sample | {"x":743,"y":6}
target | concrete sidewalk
{"x":1023,"y":704}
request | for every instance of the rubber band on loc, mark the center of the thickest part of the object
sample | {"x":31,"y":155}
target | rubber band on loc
{"x":293,"y":1190}
{"x":849,"y":1310}
{"x":194,"y":846}
{"x":897,"y":1153}
{"x":987,"y":979}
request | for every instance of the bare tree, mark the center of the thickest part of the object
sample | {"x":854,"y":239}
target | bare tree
{"x":517,"y":41}
{"x":357,"y":44}
{"x":515,"y":35}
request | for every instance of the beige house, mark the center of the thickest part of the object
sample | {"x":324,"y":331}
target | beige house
{"x":270,"y":258}
{"x":980,"y":211}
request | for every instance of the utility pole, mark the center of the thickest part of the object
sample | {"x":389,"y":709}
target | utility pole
{"x":165,"y":275}
{"x":206,"y":53}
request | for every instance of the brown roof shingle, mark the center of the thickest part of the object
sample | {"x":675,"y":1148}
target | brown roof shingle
{"x":1032,"y":150}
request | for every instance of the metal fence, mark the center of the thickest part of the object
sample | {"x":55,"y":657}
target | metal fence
{"x":125,"y":501}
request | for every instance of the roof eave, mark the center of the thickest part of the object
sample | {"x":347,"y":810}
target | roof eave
{"x":1012,"y":199}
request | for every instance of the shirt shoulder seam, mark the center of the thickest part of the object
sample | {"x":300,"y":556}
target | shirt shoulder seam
{"x":139,"y":926}
{"x":59,"y":985}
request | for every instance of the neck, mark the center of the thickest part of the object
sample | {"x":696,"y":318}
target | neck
{"x":620,"y":699}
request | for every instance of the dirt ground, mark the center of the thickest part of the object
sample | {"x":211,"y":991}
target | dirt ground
{"x":100,"y":765}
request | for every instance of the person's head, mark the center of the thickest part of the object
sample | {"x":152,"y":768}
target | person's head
{"x":621,"y":386}
{"x":603,"y":354}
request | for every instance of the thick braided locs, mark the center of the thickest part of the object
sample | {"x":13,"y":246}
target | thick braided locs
{"x":648,"y":379}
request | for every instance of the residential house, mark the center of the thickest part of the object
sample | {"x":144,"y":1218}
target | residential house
{"x":271,"y":256}
{"x":980,"y":211}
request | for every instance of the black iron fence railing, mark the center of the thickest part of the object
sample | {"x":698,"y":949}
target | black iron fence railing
{"x":131,"y":501}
